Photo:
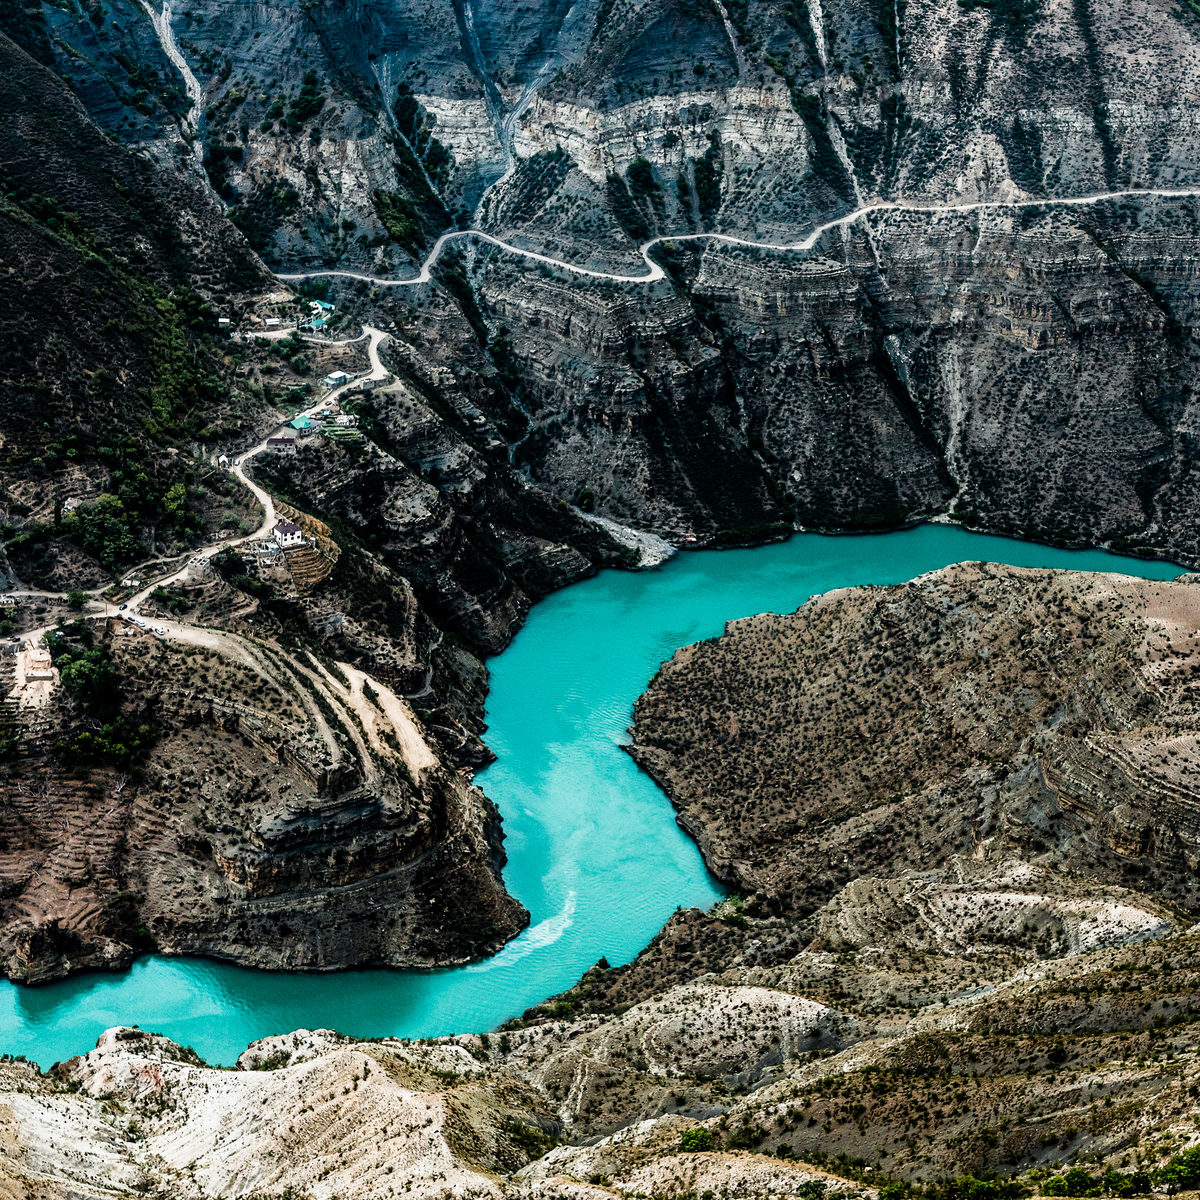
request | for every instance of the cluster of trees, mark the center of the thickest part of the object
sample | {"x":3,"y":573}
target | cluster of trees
{"x":90,"y":678}
{"x":121,"y":743}
{"x":86,"y":670}
{"x":141,"y":498}
{"x":110,"y":527}
{"x":306,"y":103}
{"x":398,"y":215}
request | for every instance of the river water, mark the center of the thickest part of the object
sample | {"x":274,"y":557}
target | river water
{"x":594,"y":852}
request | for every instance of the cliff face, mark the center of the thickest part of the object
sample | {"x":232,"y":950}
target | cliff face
{"x":1027,"y":370}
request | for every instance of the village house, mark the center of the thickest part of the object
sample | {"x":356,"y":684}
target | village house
{"x":336,"y":379}
{"x":347,"y":420}
{"x":283,"y":442}
{"x":38,"y":664}
{"x":288,"y":535}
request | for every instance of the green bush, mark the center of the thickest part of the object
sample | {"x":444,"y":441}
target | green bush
{"x":307,"y":103}
{"x":696,"y":1140}
{"x":399,"y":217}
{"x":87,"y":673}
{"x":122,"y":743}
{"x":1181,"y":1173}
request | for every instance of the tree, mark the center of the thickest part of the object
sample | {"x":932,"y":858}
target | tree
{"x":695,"y":1140}
{"x":1181,"y":1172}
{"x":76,"y":599}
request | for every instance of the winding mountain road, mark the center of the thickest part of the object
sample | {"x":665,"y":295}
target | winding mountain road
{"x":375,"y":338}
{"x":655,"y":272}
{"x":238,"y":469}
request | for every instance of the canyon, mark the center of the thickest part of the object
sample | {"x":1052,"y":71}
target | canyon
{"x":991,"y":997}
{"x":617,"y":276}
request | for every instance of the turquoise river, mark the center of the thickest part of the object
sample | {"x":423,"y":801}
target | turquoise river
{"x":593,"y":850}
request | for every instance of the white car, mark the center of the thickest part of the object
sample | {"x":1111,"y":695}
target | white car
{"x":160,"y":630}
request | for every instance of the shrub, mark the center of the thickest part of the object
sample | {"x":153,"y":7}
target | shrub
{"x":695,"y":1140}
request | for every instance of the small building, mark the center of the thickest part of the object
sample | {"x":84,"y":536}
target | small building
{"x":303,"y":425}
{"x":222,"y":460}
{"x":38,"y":664}
{"x":288,"y":535}
{"x":272,"y":322}
{"x":336,"y":379}
{"x":347,"y":420}
{"x":284,"y":442}
{"x":321,"y":306}
{"x":224,"y":322}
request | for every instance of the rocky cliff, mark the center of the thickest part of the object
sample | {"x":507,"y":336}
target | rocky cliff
{"x":906,"y":364}
{"x":980,"y":710}
{"x":241,"y":803}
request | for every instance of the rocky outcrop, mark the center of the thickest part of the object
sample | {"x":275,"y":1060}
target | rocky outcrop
{"x":980,"y":710}
{"x":288,"y":815}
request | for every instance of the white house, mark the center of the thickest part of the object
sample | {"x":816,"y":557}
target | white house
{"x":284,"y":442}
{"x":336,"y":379}
{"x":288,"y":535}
{"x":346,"y":419}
